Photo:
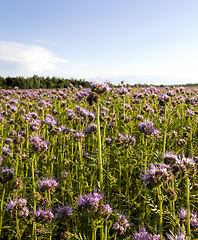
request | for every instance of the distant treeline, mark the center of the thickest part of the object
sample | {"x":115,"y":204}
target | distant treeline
{"x":36,"y":82}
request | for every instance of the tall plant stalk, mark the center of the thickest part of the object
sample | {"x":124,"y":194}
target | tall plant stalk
{"x":100,"y":160}
{"x":161,"y":211}
{"x":188,"y":205}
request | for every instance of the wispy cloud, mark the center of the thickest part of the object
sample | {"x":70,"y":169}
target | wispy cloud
{"x":19,"y":58}
{"x":44,"y":42}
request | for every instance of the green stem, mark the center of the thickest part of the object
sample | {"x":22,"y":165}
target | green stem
{"x":188,"y":205}
{"x":165,"y":130}
{"x":2,"y":212}
{"x":100,"y":161}
{"x":99,"y":150}
{"x":161,"y":211}
{"x":33,"y":187}
{"x":17,"y":227}
{"x":81,"y":167}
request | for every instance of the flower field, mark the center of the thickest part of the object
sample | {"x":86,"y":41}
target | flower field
{"x":100,"y":163}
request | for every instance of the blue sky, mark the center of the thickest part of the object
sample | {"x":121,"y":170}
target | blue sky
{"x":138,"y":41}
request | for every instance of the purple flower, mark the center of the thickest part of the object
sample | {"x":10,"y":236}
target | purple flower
{"x":147,"y":127}
{"x":106,"y":211}
{"x":23,"y":213}
{"x":63,"y":213}
{"x":183,"y":213}
{"x":78,"y":136}
{"x":89,"y":202}
{"x":100,"y":87}
{"x":92,"y":128}
{"x":180,"y":235}
{"x":47,"y":184}
{"x":43,"y":216}
{"x":64,"y":175}
{"x":170,"y":158}
{"x":121,"y":225}
{"x":7,"y":174}
{"x":155,"y":176}
{"x":144,"y":235}
{"x":11,"y":205}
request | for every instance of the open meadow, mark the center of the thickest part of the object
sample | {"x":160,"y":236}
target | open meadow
{"x":100,"y":163}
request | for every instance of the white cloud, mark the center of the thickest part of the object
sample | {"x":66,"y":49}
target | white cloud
{"x":21,"y":59}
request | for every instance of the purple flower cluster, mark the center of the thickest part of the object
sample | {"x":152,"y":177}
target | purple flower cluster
{"x":38,"y":145}
{"x":144,"y":235}
{"x":155,"y":176}
{"x":89,"y":202}
{"x":193,"y":217}
{"x":147,"y":127}
{"x":106,"y":211}
{"x":91,"y":128}
{"x":63,"y":213}
{"x":121,"y":225}
{"x":43,"y":216}
{"x":20,"y":205}
{"x":6,"y":175}
{"x":180,"y":235}
{"x":124,"y":140}
{"x":78,"y":136}
{"x":100,"y":87}
{"x":48,"y":184}
{"x":181,"y":166}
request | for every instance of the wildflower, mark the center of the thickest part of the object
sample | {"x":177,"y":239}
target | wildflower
{"x":121,"y":225}
{"x":155,"y":176}
{"x":92,"y":128}
{"x":100,"y":87}
{"x":183,"y":213}
{"x":78,"y":136}
{"x":64,"y":175}
{"x":180,"y":235}
{"x":63,"y":213}
{"x":170,"y":158}
{"x":7,"y":174}
{"x":89,"y":202}
{"x":47,"y":184}
{"x":106,"y":211}
{"x":144,"y":235}
{"x":147,"y":127}
{"x":43,"y":216}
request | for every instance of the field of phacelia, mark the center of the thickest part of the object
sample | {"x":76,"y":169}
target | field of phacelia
{"x":99,"y":163}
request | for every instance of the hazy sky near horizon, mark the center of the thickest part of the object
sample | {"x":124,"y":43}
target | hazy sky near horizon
{"x":138,"y":41}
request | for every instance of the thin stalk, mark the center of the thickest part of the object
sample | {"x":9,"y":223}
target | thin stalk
{"x":2,"y":212}
{"x":17,"y":227}
{"x":99,"y":150}
{"x":81,"y":167}
{"x":106,"y":230}
{"x":165,"y":129}
{"x":161,"y":211}
{"x":33,"y":186}
{"x":100,"y":161}
{"x":188,"y":205}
